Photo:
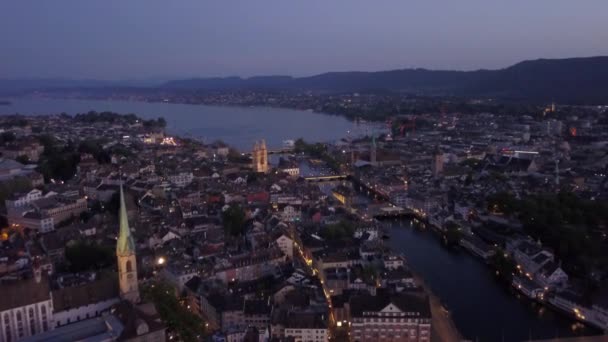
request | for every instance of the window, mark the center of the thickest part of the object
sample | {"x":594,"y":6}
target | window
{"x":32,"y":321}
{"x":7,"y":324}
{"x":45,"y":323}
{"x":20,"y":331}
{"x":129,"y":266}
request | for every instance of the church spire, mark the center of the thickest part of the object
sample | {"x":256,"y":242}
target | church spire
{"x":125,"y":244}
{"x":126,"y":259}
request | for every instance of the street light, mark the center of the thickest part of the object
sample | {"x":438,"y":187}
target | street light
{"x":160,"y":261}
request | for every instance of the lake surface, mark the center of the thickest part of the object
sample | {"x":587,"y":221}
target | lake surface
{"x":237,"y":126}
{"x":482,"y":308}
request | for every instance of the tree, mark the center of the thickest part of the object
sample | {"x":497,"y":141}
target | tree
{"x":85,"y":256}
{"x":15,"y":185}
{"x":339,"y":231}
{"x":7,"y":137}
{"x":233,"y":219}
{"x":23,"y":159}
{"x":178,"y":319}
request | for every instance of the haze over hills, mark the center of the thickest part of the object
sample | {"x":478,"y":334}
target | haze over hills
{"x":575,"y":80}
{"x":572,"y":80}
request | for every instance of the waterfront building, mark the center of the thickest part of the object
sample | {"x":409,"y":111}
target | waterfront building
{"x":400,"y":317}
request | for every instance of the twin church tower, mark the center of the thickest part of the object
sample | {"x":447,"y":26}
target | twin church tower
{"x":259,"y":157}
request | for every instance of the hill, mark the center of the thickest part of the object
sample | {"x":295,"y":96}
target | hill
{"x":572,"y":80}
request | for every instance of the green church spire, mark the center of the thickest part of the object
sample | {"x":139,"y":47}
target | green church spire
{"x":125,"y":244}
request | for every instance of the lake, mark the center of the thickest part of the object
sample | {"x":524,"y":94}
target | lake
{"x":237,"y":126}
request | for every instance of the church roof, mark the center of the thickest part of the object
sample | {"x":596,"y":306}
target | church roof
{"x":125,"y":243}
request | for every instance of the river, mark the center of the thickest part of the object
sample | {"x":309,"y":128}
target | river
{"x":482,"y":308}
{"x":237,"y":126}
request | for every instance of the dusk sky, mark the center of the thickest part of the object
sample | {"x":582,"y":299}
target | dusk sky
{"x":140,"y":39}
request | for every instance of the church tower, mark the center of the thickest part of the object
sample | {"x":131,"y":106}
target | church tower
{"x":263,"y":157}
{"x":125,"y":253}
{"x":260,"y":157}
{"x":437,"y":165}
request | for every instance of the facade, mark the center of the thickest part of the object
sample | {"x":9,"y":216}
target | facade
{"x":34,"y":220}
{"x":21,"y":315}
{"x":125,"y":253}
{"x":20,"y":200}
{"x":260,"y":157}
{"x":401,"y":317}
{"x":75,"y":301}
{"x":42,"y":213}
{"x":181,"y":179}
{"x":286,"y":245}
{"x":392,"y":262}
{"x":60,"y":208}
{"x":292,"y":171}
{"x":307,"y":327}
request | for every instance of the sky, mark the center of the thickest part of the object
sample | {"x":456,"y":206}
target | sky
{"x":147,"y":39}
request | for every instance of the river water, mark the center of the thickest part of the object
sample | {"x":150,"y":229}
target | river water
{"x":482,"y":308}
{"x":237,"y":126}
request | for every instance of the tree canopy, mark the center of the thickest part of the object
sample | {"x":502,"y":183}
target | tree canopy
{"x":178,"y":319}
{"x":85,"y":256}
{"x":233,"y":219}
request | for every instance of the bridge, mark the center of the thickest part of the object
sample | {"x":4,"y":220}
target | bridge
{"x":393,"y":212}
{"x":326,"y":178}
{"x":281,"y":151}
{"x":275,"y":151}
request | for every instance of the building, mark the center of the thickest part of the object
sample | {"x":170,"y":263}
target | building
{"x":384,"y":317}
{"x":42,"y":213}
{"x":285,"y":244}
{"x":26,"y":307}
{"x":181,"y":179}
{"x":32,"y":150}
{"x":260,"y":157}
{"x":34,"y":220}
{"x":81,"y":297}
{"x":305,"y":327}
{"x":20,"y":200}
{"x":10,"y":169}
{"x":59,"y":207}
{"x":125,"y":253}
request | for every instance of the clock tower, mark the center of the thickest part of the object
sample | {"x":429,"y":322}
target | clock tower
{"x":125,"y":254}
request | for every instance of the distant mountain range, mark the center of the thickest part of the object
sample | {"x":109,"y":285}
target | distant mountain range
{"x":572,"y":80}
